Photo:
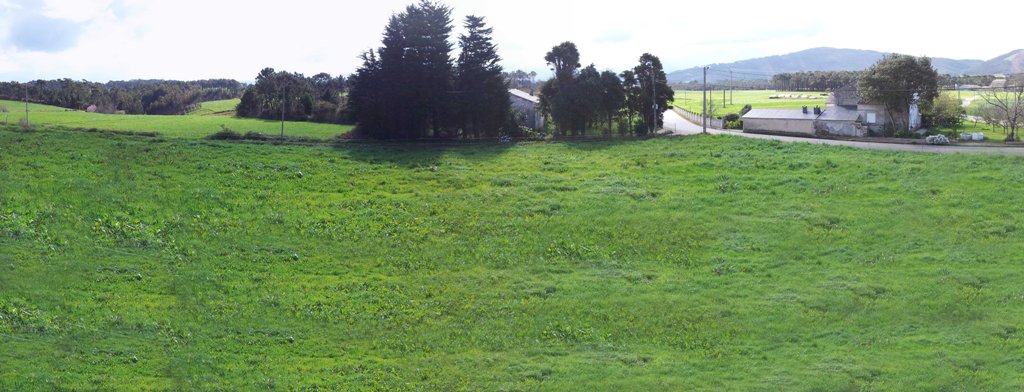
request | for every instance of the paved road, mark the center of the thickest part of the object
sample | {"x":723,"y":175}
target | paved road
{"x":969,"y":101}
{"x":680,"y":126}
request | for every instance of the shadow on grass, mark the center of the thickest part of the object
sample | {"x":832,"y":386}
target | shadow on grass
{"x":418,"y":153}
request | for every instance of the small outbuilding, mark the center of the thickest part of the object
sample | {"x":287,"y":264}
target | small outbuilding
{"x":793,"y":121}
{"x":840,"y":121}
{"x":529,"y":106}
{"x":845,"y":114}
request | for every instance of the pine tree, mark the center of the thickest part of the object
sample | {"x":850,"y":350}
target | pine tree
{"x":613,"y":97}
{"x":411,"y":77}
{"x":655,"y":92}
{"x":484,"y":101}
{"x":632,"y":95}
{"x":559,"y":95}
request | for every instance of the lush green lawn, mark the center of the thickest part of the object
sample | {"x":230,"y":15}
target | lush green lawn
{"x":760,"y":99}
{"x":200,"y":124}
{"x":700,"y":263}
{"x":993,"y":134}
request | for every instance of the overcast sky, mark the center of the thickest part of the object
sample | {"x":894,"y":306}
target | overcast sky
{"x":102,"y":40}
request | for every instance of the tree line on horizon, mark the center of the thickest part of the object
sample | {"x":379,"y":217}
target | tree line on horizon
{"x":832,"y":80}
{"x":167,"y":97}
{"x":291,"y":96}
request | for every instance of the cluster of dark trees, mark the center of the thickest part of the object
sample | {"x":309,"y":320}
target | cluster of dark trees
{"x":814,"y":81}
{"x":579,"y":99}
{"x":295,"y":97}
{"x":411,"y":88}
{"x":131,"y":97}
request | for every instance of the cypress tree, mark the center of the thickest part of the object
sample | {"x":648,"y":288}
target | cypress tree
{"x":484,"y":101}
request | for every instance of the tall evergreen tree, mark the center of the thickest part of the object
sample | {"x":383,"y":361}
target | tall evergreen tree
{"x":613,"y":97}
{"x":586,"y":101}
{"x":577,"y":99}
{"x":366,"y":98}
{"x":564,"y":59}
{"x":655,"y":92}
{"x":558,"y":95}
{"x":411,"y":77}
{"x":632,"y":92}
{"x":484,"y":101}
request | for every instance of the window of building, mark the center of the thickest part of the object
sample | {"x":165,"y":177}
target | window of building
{"x":871,"y":118}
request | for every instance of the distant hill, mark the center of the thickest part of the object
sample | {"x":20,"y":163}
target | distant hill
{"x":817,"y":59}
{"x":1010,"y":63}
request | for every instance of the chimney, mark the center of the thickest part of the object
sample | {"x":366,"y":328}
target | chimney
{"x":817,"y":110}
{"x":805,"y":109}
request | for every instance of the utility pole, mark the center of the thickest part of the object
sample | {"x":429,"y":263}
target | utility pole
{"x":283,"y":100}
{"x":704,"y":113}
{"x":654,"y":103}
{"x":27,"y":123}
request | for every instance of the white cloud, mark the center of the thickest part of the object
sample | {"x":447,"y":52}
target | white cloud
{"x":191,"y":39}
{"x":76,"y":10}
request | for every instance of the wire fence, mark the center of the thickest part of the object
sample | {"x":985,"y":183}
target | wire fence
{"x":697,"y":118}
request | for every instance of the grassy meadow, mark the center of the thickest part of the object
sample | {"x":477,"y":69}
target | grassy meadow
{"x":758,"y":99}
{"x":206,"y":121}
{"x":223,"y":108}
{"x":698,"y":263}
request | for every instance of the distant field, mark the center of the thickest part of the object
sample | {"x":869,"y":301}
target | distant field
{"x":18,"y":108}
{"x":197,"y":125}
{"x":693,"y":100}
{"x":993,"y":134}
{"x":221,"y":108}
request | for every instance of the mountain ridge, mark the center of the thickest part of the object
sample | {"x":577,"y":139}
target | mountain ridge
{"x":837,"y":59}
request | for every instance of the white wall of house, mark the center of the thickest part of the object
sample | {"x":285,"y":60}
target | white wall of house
{"x":801,"y":126}
{"x":874,"y":117}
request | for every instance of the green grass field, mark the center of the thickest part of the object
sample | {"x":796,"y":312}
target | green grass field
{"x":993,"y":134}
{"x":202,"y":123}
{"x":759,"y":99}
{"x":222,"y":108}
{"x":698,"y":263}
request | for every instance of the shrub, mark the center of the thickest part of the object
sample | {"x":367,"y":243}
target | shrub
{"x":225,"y":134}
{"x":734,"y":125}
{"x":731,"y":117}
{"x":946,"y":112}
{"x":251,"y":135}
{"x":746,"y":109}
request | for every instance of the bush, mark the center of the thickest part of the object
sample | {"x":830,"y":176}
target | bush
{"x":255,"y":136}
{"x":734,"y":125}
{"x":946,"y":112}
{"x":731,"y":117}
{"x":746,"y":109}
{"x":225,"y":134}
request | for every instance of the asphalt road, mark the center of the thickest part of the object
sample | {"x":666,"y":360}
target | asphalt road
{"x":681,"y":127}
